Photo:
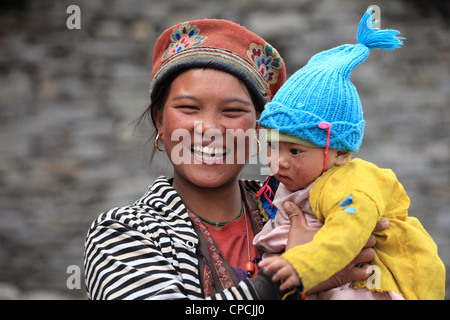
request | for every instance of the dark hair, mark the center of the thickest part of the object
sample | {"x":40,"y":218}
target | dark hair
{"x":159,"y":100}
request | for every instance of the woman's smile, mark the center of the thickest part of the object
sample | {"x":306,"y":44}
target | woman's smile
{"x":209,"y":155}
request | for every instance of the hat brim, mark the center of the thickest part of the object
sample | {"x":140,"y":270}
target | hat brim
{"x":274,"y":135}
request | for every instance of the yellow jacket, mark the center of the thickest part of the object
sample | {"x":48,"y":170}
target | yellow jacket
{"x":349,"y":200}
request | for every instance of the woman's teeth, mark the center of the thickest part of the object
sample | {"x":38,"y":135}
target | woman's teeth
{"x":209,"y":153}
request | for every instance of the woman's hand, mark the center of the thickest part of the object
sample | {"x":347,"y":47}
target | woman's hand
{"x":300,"y":233}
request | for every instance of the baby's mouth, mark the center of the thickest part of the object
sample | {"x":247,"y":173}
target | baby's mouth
{"x":209,"y":154}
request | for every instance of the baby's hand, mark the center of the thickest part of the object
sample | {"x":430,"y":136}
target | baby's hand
{"x":283,"y":270}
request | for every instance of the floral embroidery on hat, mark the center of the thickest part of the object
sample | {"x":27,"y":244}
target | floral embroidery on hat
{"x":184,"y":37}
{"x":267,"y":60}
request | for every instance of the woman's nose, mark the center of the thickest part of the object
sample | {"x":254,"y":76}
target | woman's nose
{"x":209,"y":125}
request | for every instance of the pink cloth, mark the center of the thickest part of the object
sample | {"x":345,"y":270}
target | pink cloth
{"x":273,"y":237}
{"x":345,"y":292}
{"x":273,"y":240}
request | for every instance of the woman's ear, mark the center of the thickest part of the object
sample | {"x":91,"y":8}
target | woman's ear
{"x":341,"y":157}
{"x":157,"y":116}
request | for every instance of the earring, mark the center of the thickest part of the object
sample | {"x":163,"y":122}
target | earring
{"x":259,"y":148}
{"x":156,"y":144}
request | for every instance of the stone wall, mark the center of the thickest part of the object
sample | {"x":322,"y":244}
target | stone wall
{"x":68,"y":100}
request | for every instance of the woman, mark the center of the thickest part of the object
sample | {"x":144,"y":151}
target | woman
{"x":190,"y":237}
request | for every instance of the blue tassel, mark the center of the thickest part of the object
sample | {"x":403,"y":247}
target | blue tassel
{"x":374,"y":38}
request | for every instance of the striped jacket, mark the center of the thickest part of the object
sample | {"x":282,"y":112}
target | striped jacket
{"x":148,"y":251}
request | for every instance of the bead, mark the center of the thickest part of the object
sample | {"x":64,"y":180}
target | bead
{"x":250,"y":267}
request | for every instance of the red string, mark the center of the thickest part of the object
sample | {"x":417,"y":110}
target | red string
{"x":326,"y":125}
{"x":266,"y":189}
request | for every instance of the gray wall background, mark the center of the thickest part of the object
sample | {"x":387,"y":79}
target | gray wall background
{"x":68,"y":98}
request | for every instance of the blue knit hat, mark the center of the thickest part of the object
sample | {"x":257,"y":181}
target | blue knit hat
{"x":318,"y":103}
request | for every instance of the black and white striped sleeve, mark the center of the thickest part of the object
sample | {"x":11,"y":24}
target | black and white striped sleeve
{"x":122,"y":263}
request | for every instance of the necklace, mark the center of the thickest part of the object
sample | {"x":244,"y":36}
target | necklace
{"x":221,"y":224}
{"x":249,"y":266}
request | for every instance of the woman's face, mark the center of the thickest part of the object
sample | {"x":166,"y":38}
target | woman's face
{"x":206,"y":124}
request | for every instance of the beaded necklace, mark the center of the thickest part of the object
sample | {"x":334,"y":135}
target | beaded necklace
{"x":221,"y":224}
{"x":250,"y":266}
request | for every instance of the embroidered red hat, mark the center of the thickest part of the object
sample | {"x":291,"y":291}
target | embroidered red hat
{"x":222,"y":45}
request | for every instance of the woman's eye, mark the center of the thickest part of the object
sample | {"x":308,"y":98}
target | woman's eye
{"x":187,"y":108}
{"x":295,"y":151}
{"x":233,"y":112}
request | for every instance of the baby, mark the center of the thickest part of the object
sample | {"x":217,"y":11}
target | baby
{"x":318,"y":118}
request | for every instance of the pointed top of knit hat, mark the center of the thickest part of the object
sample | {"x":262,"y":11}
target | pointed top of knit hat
{"x":321,"y":96}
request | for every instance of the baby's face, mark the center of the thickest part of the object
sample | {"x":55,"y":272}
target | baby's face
{"x":298,"y":165}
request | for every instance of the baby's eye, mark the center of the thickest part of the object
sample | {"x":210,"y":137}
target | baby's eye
{"x":295,"y":151}
{"x":272,"y":146}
